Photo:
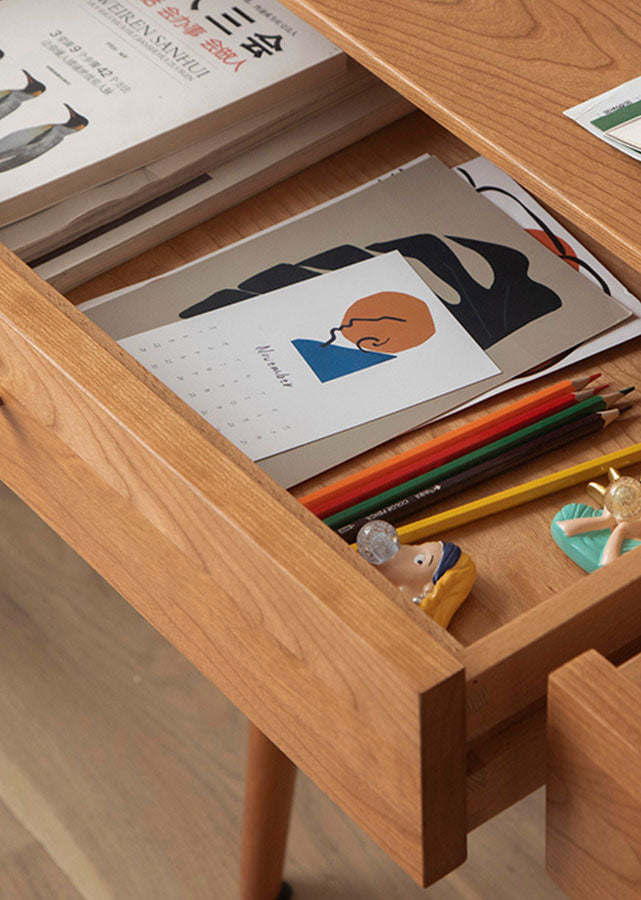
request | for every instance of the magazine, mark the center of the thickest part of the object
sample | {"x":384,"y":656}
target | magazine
{"x":253,"y":171}
{"x":43,"y":232}
{"x":90,"y":89}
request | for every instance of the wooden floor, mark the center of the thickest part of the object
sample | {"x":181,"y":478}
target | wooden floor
{"x":121,"y":768}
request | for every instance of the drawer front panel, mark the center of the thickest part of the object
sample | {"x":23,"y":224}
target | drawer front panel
{"x":278,"y":613}
{"x":594,"y":785}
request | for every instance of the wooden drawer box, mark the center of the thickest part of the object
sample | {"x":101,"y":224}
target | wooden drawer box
{"x":419,"y":734}
{"x":594,"y":788}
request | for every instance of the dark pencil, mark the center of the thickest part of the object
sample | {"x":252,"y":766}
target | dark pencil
{"x":474,"y":458}
{"x":355,"y":487}
{"x":539,"y":445}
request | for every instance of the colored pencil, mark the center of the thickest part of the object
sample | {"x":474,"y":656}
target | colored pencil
{"x":403,"y":477}
{"x":538,"y":446}
{"x":420,"y":464}
{"x":518,"y":495}
{"x":345,"y":492}
{"x":475,"y":457}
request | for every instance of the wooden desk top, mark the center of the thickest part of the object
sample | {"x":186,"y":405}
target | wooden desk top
{"x":498,"y":74}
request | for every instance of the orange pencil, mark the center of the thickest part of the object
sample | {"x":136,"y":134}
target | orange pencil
{"x":329,"y":499}
{"x":431,"y":459}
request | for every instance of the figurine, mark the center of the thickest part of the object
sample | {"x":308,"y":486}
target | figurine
{"x":437,"y":575}
{"x":594,"y":538}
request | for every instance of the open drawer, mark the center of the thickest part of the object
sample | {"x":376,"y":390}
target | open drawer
{"x":418,"y":734}
{"x":594,"y":778}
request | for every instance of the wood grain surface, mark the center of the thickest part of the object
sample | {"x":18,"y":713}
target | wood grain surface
{"x":312,"y":646}
{"x":499,"y":74}
{"x":269,"y":791}
{"x":121,"y":766}
{"x":593,"y":786}
{"x":505,"y":766}
{"x":600,"y":611}
{"x":201,"y":543}
{"x":27,"y":871}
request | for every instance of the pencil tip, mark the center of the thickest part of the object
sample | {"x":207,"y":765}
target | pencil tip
{"x":610,"y":398}
{"x":594,"y":377}
{"x":622,"y":409}
{"x":608,"y":416}
{"x":600,"y":388}
{"x":627,"y":390}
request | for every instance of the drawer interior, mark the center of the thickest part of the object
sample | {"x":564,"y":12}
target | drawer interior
{"x":518,"y":563}
{"x":519,"y":566}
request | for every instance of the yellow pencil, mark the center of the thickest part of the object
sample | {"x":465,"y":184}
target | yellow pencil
{"x":515,"y":496}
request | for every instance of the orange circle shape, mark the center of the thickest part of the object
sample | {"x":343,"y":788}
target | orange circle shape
{"x":388,"y":322}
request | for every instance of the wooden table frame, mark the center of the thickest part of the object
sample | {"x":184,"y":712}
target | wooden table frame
{"x":417,"y":735}
{"x":593,"y":819}
{"x":172,"y":527}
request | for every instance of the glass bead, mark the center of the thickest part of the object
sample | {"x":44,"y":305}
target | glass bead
{"x":377,"y":542}
{"x":623,"y":498}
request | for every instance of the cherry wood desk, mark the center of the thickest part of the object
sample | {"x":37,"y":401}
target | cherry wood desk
{"x":419,"y":734}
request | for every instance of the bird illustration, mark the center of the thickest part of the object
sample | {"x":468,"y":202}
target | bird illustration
{"x":22,"y":146}
{"x":11,"y":100}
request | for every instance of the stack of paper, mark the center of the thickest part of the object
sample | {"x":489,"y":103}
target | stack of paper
{"x":300,"y":344}
{"x":112,"y":111}
{"x":614,"y":117}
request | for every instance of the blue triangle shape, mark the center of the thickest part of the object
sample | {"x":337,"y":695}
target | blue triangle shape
{"x":329,"y":362}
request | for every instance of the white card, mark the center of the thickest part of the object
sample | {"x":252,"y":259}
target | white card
{"x":628,"y":132}
{"x":592,"y":114}
{"x":314,"y":358}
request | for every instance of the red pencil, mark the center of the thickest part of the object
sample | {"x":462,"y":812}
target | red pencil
{"x":418,"y":465}
{"x":390,"y":472}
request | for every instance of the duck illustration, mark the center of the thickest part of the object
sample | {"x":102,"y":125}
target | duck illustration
{"x":10,"y":100}
{"x":22,"y":146}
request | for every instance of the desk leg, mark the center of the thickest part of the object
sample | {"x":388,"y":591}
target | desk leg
{"x":269,"y":789}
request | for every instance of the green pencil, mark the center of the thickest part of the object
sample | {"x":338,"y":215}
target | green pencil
{"x":570,"y":414}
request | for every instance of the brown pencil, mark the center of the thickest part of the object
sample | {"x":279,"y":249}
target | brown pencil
{"x":539,"y":445}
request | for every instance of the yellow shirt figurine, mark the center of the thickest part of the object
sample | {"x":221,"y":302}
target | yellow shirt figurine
{"x":436,"y":575}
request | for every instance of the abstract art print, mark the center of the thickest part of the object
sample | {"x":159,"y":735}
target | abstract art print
{"x":316,"y":357}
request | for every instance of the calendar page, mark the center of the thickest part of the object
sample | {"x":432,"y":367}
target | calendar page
{"x":314,"y":358}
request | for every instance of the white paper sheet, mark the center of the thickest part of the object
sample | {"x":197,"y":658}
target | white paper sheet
{"x":523,"y":208}
{"x":317,"y":357}
{"x":588,"y":111}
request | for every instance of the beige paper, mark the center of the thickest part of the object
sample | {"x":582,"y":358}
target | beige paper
{"x":423,"y":199}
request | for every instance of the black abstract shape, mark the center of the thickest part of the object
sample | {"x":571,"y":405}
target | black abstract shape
{"x":545,"y":228}
{"x":512,"y":301}
{"x":468,"y":177}
{"x":215,"y":301}
{"x":556,"y":241}
{"x":276,"y":277}
{"x":337,"y":257}
{"x":263,"y":282}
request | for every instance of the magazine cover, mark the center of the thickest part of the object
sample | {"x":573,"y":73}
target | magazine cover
{"x":92,"y":88}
